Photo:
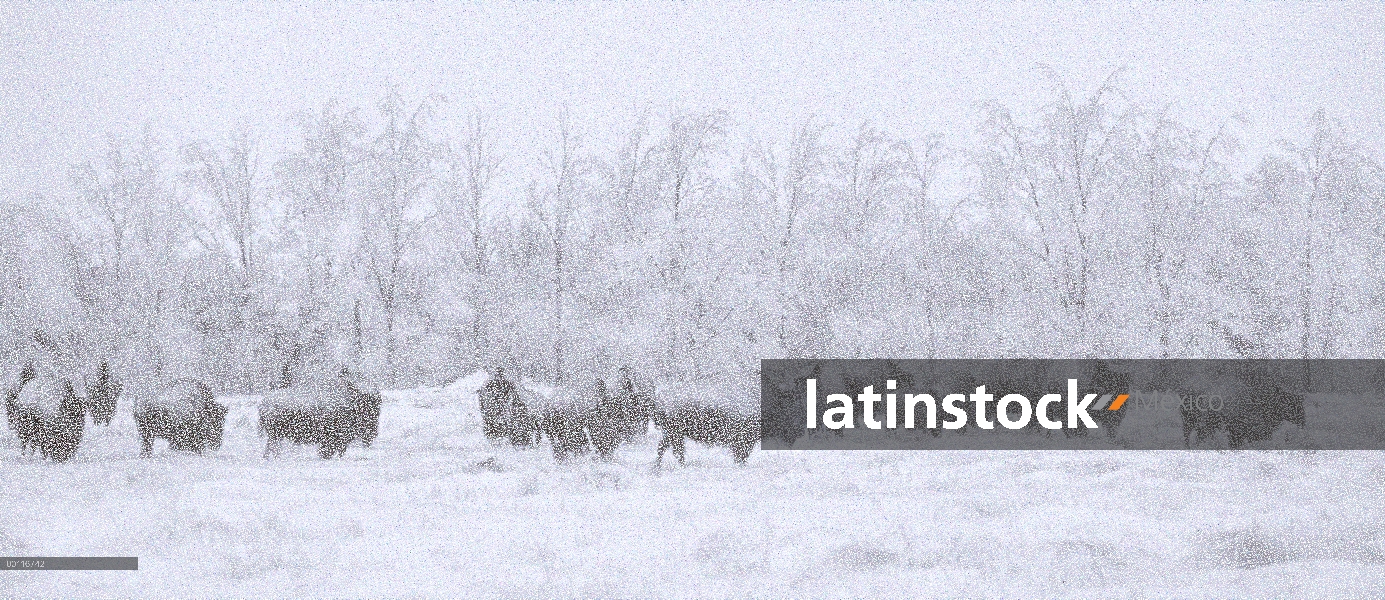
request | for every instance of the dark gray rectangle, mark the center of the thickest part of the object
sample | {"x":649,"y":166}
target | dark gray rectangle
{"x":1137,"y":404}
{"x":69,"y":563}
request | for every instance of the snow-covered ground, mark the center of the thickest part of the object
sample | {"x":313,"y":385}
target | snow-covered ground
{"x":433,"y":509}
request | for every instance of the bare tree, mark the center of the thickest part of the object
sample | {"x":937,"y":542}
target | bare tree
{"x":866,"y":170}
{"x":634,"y":162}
{"x":1056,"y":175}
{"x":472,"y":165}
{"x":228,"y":176}
{"x":921,"y":166}
{"x":1339,"y":199}
{"x":118,"y":190}
{"x":126,"y":195}
{"x":322,"y":182}
{"x":555,"y":203}
{"x":785,"y":187}
{"x":691,"y":137}
{"x":401,"y":160}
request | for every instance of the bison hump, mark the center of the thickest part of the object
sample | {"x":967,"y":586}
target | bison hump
{"x":728,"y":399}
{"x":183,"y":397}
{"x":44,"y":394}
{"x":322,"y":395}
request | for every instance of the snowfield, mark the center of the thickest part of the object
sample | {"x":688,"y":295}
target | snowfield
{"x":433,"y":509}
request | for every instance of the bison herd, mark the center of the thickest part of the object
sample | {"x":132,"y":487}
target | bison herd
{"x":48,"y":413}
{"x":330,"y":413}
{"x":47,"y":410}
{"x":600,"y":418}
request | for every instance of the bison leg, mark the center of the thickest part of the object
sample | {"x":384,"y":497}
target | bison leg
{"x":271,"y":447}
{"x":329,"y":447}
{"x":740,"y":454}
{"x":664,"y":444}
{"x":146,"y":445}
{"x":680,"y":450}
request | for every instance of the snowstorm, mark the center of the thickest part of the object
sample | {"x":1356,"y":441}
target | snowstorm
{"x":470,"y":300}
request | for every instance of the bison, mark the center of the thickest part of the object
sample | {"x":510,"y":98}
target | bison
{"x":522,"y":426}
{"x":619,"y":417}
{"x":185,"y":413}
{"x":1254,"y":417}
{"x":47,"y":415}
{"x":330,"y":413}
{"x":785,"y":390}
{"x":1255,"y":403}
{"x":505,"y":413}
{"x":599,"y":420}
{"x":12,"y":412}
{"x":607,"y":426}
{"x":494,"y":398}
{"x":1199,"y":420}
{"x":633,"y":407}
{"x":564,"y":420}
{"x":692,"y":414}
{"x":102,"y":394}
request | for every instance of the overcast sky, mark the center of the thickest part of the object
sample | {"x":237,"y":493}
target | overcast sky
{"x":72,"y":73}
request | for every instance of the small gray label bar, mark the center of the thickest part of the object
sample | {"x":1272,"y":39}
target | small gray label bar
{"x":69,"y":563}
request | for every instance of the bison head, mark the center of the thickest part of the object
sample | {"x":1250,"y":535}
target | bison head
{"x":213,"y":424}
{"x":102,"y":395}
{"x":72,"y":406}
{"x":366,"y":406}
{"x":29,"y":373}
{"x":1294,"y":411}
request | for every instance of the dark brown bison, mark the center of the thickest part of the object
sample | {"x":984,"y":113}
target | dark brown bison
{"x":506,"y":412}
{"x":783,"y":390}
{"x":1255,"y":417}
{"x":597,"y":419}
{"x":12,"y":412}
{"x":330,"y":413}
{"x":564,"y":420}
{"x":102,"y":394}
{"x":495,"y":398}
{"x":522,"y":424}
{"x":47,"y":416}
{"x":1254,"y":402}
{"x":186,"y":414}
{"x":1199,"y":420}
{"x":694,"y":413}
{"x":632,"y":407}
{"x":621,"y":415}
{"x":1202,"y":417}
{"x":610,"y":423}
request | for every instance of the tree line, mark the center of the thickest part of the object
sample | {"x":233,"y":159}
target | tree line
{"x":379,"y":238}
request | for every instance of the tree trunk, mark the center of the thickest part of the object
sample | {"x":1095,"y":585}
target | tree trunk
{"x":558,"y":311}
{"x":390,"y":372}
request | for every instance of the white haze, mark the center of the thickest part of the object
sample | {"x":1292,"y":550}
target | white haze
{"x":73,"y":72}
